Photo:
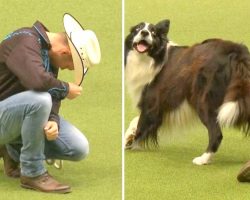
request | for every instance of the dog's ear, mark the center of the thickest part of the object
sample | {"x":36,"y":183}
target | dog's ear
{"x":163,"y":26}
{"x":133,"y":28}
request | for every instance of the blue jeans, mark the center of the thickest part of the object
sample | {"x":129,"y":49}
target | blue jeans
{"x":22,"y":118}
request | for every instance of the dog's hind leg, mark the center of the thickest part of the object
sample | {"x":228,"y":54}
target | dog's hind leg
{"x":215,"y":137}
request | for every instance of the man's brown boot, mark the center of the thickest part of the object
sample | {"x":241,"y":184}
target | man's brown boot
{"x":244,"y":174}
{"x":44,"y":183}
{"x":11,"y":167}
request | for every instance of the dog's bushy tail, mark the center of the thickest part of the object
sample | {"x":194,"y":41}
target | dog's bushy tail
{"x":235,"y":110}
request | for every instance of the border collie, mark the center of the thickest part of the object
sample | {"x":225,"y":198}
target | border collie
{"x":167,"y":82}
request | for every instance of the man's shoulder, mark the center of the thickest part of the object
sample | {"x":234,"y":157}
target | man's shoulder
{"x":27,"y":36}
{"x":22,"y":33}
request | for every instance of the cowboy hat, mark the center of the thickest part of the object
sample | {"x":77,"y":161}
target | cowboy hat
{"x":84,"y":47}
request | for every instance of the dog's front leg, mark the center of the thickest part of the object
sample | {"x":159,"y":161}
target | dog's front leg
{"x":130,"y":134}
{"x":147,"y":129}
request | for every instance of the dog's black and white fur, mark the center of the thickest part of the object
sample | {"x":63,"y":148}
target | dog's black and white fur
{"x":167,"y":82}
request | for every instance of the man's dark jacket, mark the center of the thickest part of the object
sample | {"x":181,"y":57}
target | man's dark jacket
{"x":25,"y":65}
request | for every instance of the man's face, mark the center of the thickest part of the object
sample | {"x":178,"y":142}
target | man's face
{"x":67,"y":63}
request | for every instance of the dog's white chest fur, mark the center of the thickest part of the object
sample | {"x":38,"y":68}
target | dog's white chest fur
{"x":140,"y":70}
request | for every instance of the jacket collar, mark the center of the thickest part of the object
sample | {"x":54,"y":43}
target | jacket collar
{"x":41,"y":30}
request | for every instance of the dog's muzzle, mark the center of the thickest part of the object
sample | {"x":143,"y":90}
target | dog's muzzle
{"x":142,"y":41}
{"x":141,"y":46}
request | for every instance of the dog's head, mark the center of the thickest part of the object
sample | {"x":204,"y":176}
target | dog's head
{"x":148,"y":38}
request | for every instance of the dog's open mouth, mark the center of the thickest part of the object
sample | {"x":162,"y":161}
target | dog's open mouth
{"x":142,"y":46}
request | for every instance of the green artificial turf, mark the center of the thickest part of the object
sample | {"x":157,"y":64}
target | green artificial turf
{"x":97,"y":112}
{"x":168,"y":172}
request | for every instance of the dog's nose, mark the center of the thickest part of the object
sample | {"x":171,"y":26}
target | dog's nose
{"x":144,"y":33}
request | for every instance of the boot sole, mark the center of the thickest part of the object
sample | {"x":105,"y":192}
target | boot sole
{"x":52,"y":191}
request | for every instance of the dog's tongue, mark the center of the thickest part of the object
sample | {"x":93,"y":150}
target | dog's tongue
{"x":142,"y":47}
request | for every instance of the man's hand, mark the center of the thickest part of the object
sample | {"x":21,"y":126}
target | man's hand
{"x":74,"y":91}
{"x":51,"y":130}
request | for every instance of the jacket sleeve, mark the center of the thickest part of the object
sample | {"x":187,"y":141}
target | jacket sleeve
{"x":55,"y":105}
{"x":54,"y":111}
{"x":25,"y":62}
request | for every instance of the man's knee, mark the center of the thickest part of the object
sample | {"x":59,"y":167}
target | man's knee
{"x":42,"y":98}
{"x":80,"y":151}
{"x":41,"y":101}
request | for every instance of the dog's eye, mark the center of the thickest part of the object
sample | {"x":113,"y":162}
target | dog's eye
{"x":153,"y":33}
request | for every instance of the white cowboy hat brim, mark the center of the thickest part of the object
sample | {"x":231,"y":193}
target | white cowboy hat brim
{"x":84,"y":47}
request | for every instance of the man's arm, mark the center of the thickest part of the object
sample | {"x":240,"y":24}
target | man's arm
{"x":26,"y":63}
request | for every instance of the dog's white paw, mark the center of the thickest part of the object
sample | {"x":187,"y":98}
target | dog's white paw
{"x":130,"y":135}
{"x":200,"y":161}
{"x":204,"y":159}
